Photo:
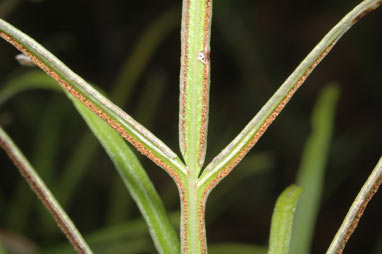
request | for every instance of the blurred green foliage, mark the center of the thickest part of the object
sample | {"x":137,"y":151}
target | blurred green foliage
{"x":255,"y":45}
{"x":312,"y":169}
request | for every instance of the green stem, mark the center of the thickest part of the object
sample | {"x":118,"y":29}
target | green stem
{"x":193,"y":230}
{"x":46,"y":197}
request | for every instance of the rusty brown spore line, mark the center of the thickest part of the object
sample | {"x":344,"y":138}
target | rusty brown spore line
{"x":185,"y":64}
{"x":206,"y":77}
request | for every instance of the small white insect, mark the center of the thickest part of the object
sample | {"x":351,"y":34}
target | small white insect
{"x":24,"y":60}
{"x":202,"y":57}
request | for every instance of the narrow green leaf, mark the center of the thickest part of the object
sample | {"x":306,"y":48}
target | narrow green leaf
{"x":236,"y":248}
{"x":312,"y":168}
{"x":356,"y":210}
{"x":46,"y":151}
{"x":282,"y":220}
{"x":234,"y":152}
{"x":42,"y":191}
{"x":132,"y":131}
{"x":153,"y":91}
{"x":120,"y":205}
{"x":194,"y":82}
{"x":75,"y":168}
{"x":136,"y":180}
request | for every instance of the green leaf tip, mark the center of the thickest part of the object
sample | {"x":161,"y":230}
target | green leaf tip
{"x":282,"y":220}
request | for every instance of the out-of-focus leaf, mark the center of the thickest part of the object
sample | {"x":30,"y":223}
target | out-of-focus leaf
{"x":282,"y":220}
{"x":46,"y":151}
{"x":136,"y":180}
{"x":312,"y":169}
{"x":236,"y":248}
{"x":143,"y":50}
{"x":27,"y":81}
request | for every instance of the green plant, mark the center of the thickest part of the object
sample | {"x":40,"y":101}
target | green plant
{"x":194,"y":184}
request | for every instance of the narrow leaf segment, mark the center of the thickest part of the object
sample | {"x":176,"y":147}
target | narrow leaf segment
{"x":282,"y":220}
{"x":194,"y":82}
{"x":27,"y":171}
{"x":356,"y":210}
{"x":230,"y":156}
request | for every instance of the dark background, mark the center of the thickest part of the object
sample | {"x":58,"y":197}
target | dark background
{"x":255,"y":46}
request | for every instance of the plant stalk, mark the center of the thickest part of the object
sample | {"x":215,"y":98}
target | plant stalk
{"x":193,"y":230}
